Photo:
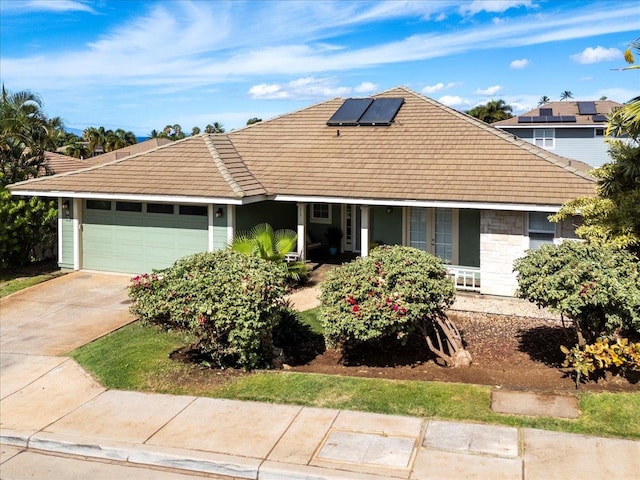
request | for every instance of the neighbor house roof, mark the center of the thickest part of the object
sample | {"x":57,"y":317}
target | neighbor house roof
{"x":59,"y":163}
{"x":574,"y":110}
{"x":430,"y":152}
{"x":129,"y":150}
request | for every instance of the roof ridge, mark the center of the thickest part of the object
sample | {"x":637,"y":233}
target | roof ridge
{"x":565,"y":163}
{"x":221,"y":166}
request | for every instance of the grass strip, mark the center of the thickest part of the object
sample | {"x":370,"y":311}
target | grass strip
{"x":136,"y":357}
{"x":9,"y":285}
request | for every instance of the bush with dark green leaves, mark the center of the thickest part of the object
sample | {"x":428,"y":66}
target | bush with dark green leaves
{"x":227,"y":302}
{"x":393,"y":292}
{"x":597,"y":287}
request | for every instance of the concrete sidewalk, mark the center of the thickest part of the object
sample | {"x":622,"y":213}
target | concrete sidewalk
{"x":49,"y":404}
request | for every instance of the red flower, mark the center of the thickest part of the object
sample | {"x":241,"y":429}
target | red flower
{"x":355,"y":308}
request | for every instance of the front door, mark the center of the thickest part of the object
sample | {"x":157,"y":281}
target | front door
{"x":432,"y":230}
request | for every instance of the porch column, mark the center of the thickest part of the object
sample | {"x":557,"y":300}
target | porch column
{"x":364,"y":231}
{"x":77,"y":233}
{"x":302,"y":234}
{"x":60,"y":216}
{"x":231,"y":222}
{"x":210,"y":227}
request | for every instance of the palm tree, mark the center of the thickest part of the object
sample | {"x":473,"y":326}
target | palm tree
{"x":492,"y":111}
{"x":262,"y":241}
{"x":77,"y":150}
{"x":24,"y":136}
{"x":543,"y":100}
{"x":195,"y":131}
{"x":566,"y":95}
{"x":253,"y":120}
{"x":96,"y":137}
{"x":215,"y":128}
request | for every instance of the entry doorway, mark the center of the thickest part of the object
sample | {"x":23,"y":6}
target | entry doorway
{"x":351,"y":228}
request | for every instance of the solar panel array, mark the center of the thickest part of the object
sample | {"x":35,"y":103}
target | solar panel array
{"x":587,"y":108}
{"x":546,"y":112}
{"x":599,"y":118}
{"x":366,"y":112}
{"x":548,"y":119}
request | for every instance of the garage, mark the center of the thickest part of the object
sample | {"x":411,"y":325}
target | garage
{"x":137,"y":237}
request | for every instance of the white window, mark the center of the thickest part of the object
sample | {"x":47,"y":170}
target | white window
{"x":544,"y":137}
{"x":320,"y":213}
{"x":541,"y":230}
{"x":434,"y":230}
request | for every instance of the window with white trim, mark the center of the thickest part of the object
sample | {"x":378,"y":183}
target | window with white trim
{"x":320,"y":213}
{"x":544,"y":137}
{"x":541,"y":230}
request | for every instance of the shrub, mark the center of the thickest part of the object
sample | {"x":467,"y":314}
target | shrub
{"x":388,"y":295}
{"x":597,"y":287}
{"x":619,"y":357}
{"x":228,"y":302}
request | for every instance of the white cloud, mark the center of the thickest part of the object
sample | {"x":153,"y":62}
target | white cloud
{"x":488,"y":92}
{"x":596,"y":55}
{"x":492,"y":6}
{"x":265,"y":91}
{"x":437,"y":87}
{"x":454,"y":100}
{"x":304,"y":88}
{"x":518,"y":64}
{"x":366,"y":87}
{"x":47,"y":6}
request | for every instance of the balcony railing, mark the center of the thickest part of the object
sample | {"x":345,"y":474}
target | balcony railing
{"x":465,"y":278}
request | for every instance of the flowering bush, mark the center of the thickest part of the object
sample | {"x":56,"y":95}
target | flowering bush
{"x":388,"y":295}
{"x":228,"y":302}
{"x":598,"y":287}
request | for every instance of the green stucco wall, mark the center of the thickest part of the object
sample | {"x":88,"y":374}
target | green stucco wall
{"x":386,"y":227}
{"x":277,"y":214}
{"x":66,"y":261}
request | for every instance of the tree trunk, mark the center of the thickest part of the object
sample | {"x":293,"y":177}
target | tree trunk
{"x":449,"y":342}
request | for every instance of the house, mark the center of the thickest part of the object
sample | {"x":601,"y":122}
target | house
{"x":395,"y":168}
{"x":59,"y":163}
{"x":572,"y":129}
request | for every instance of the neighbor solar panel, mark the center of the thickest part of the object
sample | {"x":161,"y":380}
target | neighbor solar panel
{"x":350,"y":112}
{"x":524,"y":119}
{"x":539,"y":119}
{"x":554,"y":119}
{"x":599,"y":118}
{"x":587,"y":108}
{"x":568,"y":118}
{"x":546,"y":112}
{"x":381,"y":112}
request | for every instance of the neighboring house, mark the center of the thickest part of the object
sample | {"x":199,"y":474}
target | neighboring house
{"x":59,"y":163}
{"x":571,"y":129}
{"x":397,"y":168}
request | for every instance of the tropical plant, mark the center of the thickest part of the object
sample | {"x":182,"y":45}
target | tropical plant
{"x":195,"y":131}
{"x":394,"y":292}
{"x":96,"y":136}
{"x":253,"y":120}
{"x":172,"y":132}
{"x":226,"y":302}
{"x":27,"y":225}
{"x":215,"y":128}
{"x":596,"y":286}
{"x":77,"y":150}
{"x":566,"y":95}
{"x":543,"y":100}
{"x":492,"y":111}
{"x":263,"y":242}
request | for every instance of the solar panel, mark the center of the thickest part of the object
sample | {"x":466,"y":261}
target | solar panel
{"x":350,"y":112}
{"x":546,"y":112}
{"x":524,"y":119}
{"x":554,"y":119}
{"x":381,"y":112}
{"x":587,"y":108}
{"x":599,"y":118}
{"x":539,"y":119}
{"x":568,"y":118}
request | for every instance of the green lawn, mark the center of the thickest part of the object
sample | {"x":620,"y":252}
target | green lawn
{"x":13,"y":281}
{"x":136,"y":358}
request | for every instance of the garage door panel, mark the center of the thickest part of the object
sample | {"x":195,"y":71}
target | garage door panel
{"x":135,"y":242}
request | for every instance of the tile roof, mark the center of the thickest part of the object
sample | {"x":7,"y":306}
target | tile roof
{"x":59,"y":163}
{"x":603,"y":107}
{"x":429,"y":153}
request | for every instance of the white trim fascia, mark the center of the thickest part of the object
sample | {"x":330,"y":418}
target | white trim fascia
{"x":60,"y":213}
{"x":520,"y":207}
{"x":134,"y":197}
{"x":554,"y":125}
{"x":210,"y":227}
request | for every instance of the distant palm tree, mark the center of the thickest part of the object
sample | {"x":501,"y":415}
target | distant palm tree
{"x":543,"y":100}
{"x":96,"y":137}
{"x":492,"y":111}
{"x":153,"y":134}
{"x":253,"y":120}
{"x":195,"y":131}
{"x":77,"y":150}
{"x":215,"y":128}
{"x":566,"y":95}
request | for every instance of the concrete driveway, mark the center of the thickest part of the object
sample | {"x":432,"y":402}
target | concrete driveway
{"x":59,"y":315}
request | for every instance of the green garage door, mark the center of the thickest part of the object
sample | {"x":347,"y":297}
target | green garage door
{"x":133,"y":237}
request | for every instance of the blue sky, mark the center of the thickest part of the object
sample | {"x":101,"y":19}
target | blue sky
{"x":140,"y":65}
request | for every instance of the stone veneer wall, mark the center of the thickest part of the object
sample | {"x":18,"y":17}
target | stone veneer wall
{"x":502,"y":240}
